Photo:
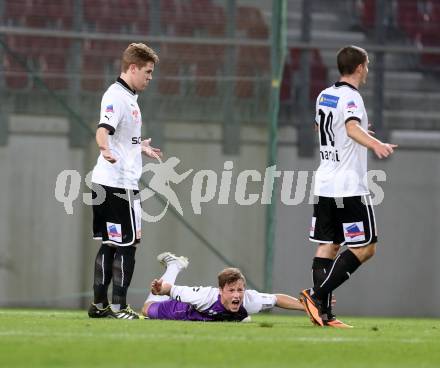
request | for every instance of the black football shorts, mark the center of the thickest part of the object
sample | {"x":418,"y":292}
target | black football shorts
{"x":116,"y":215}
{"x":346,"y":221}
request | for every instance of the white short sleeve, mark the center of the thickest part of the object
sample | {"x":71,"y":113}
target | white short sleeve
{"x":255,"y":302}
{"x":353,"y":107}
{"x":111,"y":111}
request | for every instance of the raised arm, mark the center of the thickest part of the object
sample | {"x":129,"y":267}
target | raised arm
{"x":158,"y":287}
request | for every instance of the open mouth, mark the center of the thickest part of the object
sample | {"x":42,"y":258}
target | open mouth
{"x":236,"y":303}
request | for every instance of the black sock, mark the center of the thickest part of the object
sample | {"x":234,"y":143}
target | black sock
{"x":123,"y":267}
{"x":320,"y":270}
{"x":343,"y":266}
{"x":103,"y":274}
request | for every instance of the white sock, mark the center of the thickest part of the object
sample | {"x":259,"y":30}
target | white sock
{"x":171,"y":274}
{"x":169,"y":277}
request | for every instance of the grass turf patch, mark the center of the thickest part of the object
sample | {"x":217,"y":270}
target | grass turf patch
{"x":51,"y":338}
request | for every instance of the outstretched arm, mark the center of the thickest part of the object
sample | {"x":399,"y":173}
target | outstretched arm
{"x":288,"y":302}
{"x":361,"y":136}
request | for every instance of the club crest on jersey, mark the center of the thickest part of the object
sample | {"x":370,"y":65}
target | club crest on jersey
{"x":354,"y":231}
{"x":328,"y":100}
{"x":136,"y":117}
{"x":351,"y":105}
{"x":109,"y":108}
{"x":114,"y":232}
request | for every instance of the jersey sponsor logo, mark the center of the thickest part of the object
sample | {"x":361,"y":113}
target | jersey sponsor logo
{"x":354,"y":231}
{"x":328,"y":100}
{"x":114,"y":232}
{"x":136,"y":140}
{"x":109,"y":108}
{"x":351,"y":105}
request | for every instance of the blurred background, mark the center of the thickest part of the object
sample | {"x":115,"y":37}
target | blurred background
{"x":237,"y":81}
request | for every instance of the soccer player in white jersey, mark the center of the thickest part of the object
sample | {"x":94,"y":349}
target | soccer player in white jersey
{"x":116,"y":207}
{"x":344,"y":212}
{"x":230,"y":301}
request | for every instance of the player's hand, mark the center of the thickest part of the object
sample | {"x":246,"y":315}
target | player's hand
{"x":383,"y":150}
{"x":152,"y":152}
{"x":106,"y":153}
{"x":156,"y":286}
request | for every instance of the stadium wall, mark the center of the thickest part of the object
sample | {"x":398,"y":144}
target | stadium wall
{"x":47,"y":255}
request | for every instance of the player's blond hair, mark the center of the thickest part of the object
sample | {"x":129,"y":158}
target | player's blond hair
{"x":230,"y":275}
{"x":138,"y":54}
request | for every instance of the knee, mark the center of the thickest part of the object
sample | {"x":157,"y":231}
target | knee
{"x":365,"y":253}
{"x":328,"y":250}
{"x":371,"y":250}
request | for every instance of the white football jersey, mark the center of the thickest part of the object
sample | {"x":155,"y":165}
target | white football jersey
{"x":343,"y":168}
{"x":202,"y":297}
{"x":121,"y":115}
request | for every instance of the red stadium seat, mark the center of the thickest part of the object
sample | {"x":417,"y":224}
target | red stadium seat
{"x":251,"y":22}
{"x":47,"y":56}
{"x":368,"y":13}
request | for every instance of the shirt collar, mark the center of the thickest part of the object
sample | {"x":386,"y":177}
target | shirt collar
{"x":125,"y":85}
{"x":340,"y":84}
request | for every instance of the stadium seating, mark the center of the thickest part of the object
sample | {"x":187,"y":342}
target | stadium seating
{"x":419,"y":20}
{"x":45,"y":55}
{"x":202,"y":63}
{"x":39,"y":13}
{"x":99,"y":57}
{"x":116,"y":16}
{"x":318,"y":74}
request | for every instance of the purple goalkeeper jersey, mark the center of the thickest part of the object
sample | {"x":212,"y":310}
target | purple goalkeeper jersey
{"x":175,"y":310}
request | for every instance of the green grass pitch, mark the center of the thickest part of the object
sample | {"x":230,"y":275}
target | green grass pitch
{"x":52,"y":338}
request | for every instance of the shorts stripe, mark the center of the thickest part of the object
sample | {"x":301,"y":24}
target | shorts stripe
{"x":122,"y":270}
{"x":102,"y":266}
{"x":374,"y":215}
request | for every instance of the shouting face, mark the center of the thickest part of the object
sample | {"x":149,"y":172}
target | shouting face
{"x":232,"y":294}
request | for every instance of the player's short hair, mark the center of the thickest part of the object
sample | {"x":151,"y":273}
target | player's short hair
{"x":349,"y":58}
{"x":138,"y":54}
{"x":230,"y":275}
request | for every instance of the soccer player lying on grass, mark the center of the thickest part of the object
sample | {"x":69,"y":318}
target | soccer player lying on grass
{"x":230,"y":301}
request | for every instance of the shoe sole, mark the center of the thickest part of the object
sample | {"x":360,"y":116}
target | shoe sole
{"x":311,"y":309}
